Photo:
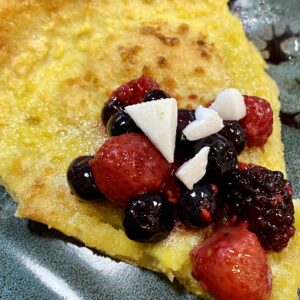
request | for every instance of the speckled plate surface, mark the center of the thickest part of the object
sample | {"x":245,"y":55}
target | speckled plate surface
{"x":37,"y":263}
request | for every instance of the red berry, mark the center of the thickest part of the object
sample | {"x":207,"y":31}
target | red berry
{"x":258,"y":121}
{"x":128,"y":165}
{"x":232,"y":265}
{"x":133,"y":92}
{"x":172,"y":187}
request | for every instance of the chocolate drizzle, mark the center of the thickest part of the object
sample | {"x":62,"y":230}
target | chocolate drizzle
{"x":276,"y":54}
{"x":290,"y":119}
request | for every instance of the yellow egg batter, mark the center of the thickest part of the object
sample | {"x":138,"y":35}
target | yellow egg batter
{"x":60,"y":60}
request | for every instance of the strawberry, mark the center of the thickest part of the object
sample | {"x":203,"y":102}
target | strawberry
{"x":258,"y":121}
{"x":128,"y":165}
{"x":133,"y":92}
{"x":231,"y":265}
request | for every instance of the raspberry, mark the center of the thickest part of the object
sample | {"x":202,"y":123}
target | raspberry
{"x":258,"y":121}
{"x":263,"y":198}
{"x":128,"y":165}
{"x":133,"y":92}
{"x":231,"y":264}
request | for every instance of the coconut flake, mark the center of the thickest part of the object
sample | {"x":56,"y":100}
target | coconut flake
{"x":158,"y":120}
{"x":230,"y":105}
{"x":194,"y":169}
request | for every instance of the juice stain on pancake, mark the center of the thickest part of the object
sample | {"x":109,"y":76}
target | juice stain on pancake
{"x":274,"y":46}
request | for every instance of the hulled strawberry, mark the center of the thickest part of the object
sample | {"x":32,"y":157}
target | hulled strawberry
{"x":128,"y":165}
{"x":232,"y":265}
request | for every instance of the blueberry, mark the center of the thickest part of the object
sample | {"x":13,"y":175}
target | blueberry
{"x":222,"y":155}
{"x":155,"y":94}
{"x":110,"y":108}
{"x":235,"y":133}
{"x":121,"y":123}
{"x":81,"y":179}
{"x":148,"y":218}
{"x":198,"y":207}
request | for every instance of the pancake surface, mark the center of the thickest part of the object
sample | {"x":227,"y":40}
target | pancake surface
{"x":59,"y":62}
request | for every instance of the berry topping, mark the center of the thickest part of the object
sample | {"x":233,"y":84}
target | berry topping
{"x":222,"y":156}
{"x":133,"y":92}
{"x":148,"y":218}
{"x":198,"y":207}
{"x":158,"y":120}
{"x":121,"y":123}
{"x":128,"y":165}
{"x":207,"y":123}
{"x":81,"y":179}
{"x":231,"y":265}
{"x":263,"y":198}
{"x":172,"y":187}
{"x":194,"y":169}
{"x":110,"y":108}
{"x":235,"y":133}
{"x":185,"y":117}
{"x":258,"y":122}
{"x":156,"y":94}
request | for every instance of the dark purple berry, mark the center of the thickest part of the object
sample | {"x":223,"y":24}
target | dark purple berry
{"x":263,"y":198}
{"x":110,"y":108}
{"x":81,"y":179}
{"x":198,"y":207}
{"x":235,"y":133}
{"x":222,"y":155}
{"x":148,"y":218}
{"x":121,"y":123}
{"x":155,"y":94}
{"x":184,"y":149}
{"x":185,"y":117}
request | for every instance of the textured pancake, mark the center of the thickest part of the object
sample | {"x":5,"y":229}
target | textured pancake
{"x":60,"y":60}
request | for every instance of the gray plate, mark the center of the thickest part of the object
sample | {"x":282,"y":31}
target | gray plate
{"x":37,"y":263}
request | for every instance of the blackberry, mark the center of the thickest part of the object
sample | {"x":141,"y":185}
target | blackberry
{"x":148,"y":218}
{"x":110,"y":108}
{"x":222,"y":155}
{"x":155,"y":94}
{"x":198,"y":207}
{"x":121,"y":123}
{"x":81,"y":180}
{"x":235,"y":133}
{"x":263,"y":198}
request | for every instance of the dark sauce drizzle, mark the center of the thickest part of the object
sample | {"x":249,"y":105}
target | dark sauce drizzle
{"x":276,"y":54}
{"x":290,"y":119}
